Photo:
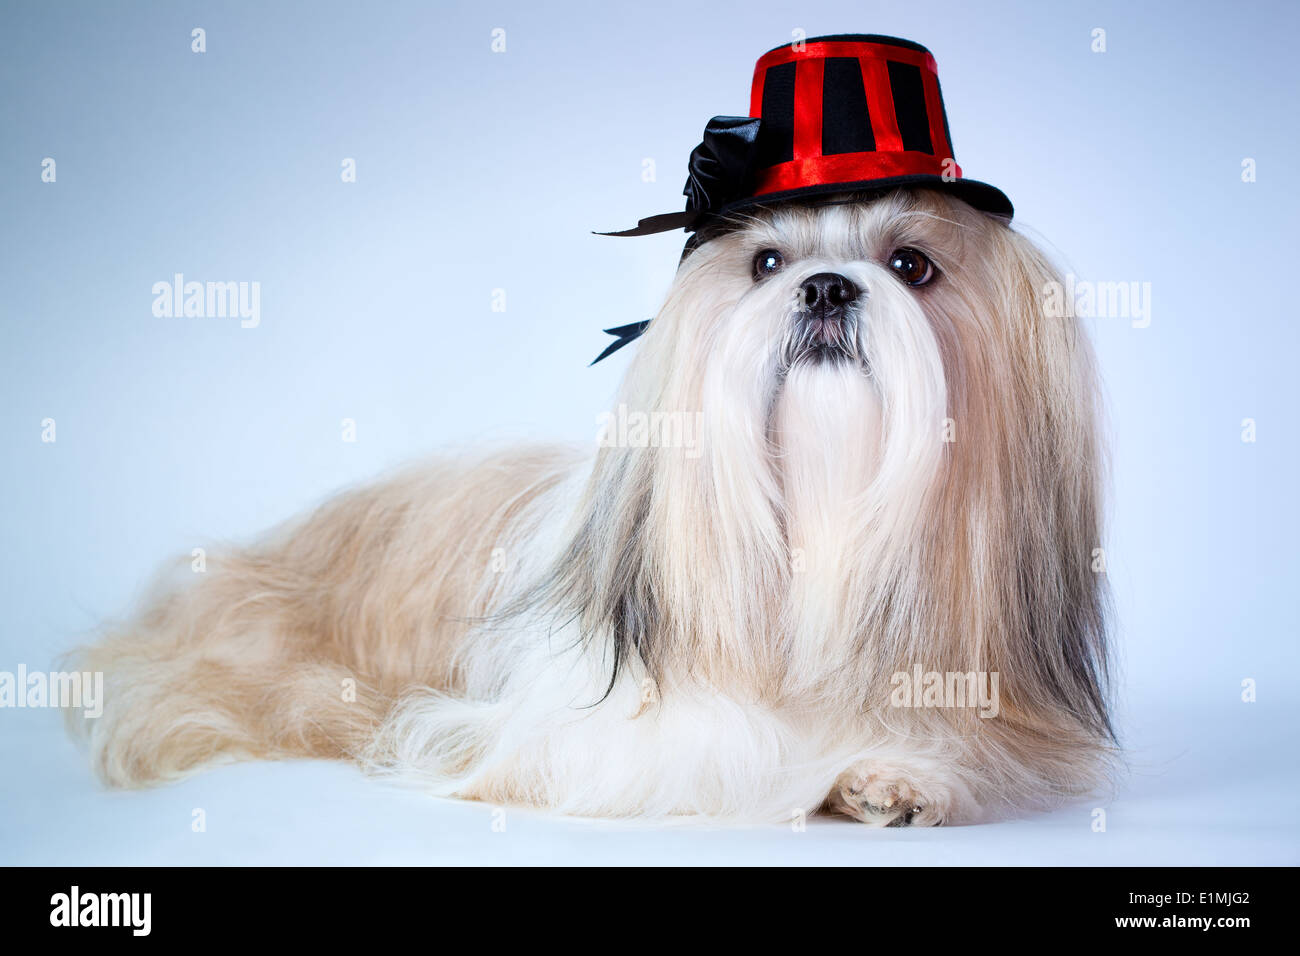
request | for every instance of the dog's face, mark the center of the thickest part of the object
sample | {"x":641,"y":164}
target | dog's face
{"x":858,"y":333}
{"x":880,"y":286}
{"x":820,"y":277}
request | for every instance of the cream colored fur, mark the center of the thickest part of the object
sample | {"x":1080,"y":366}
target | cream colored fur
{"x":459,"y":625}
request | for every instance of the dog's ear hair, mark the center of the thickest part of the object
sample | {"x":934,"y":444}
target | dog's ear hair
{"x":996,"y":572}
{"x":1039,"y":466}
{"x":602,"y":580}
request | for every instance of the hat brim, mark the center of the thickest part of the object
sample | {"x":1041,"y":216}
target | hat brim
{"x":982,"y":196}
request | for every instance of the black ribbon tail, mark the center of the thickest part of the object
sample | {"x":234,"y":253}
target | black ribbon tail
{"x":666,"y":222}
{"x":624,"y":334}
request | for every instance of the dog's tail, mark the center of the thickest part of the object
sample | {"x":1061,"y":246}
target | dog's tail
{"x":218,"y":670}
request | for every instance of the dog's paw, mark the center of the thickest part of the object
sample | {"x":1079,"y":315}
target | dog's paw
{"x":884,"y":796}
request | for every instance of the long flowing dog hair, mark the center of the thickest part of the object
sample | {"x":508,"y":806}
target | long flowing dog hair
{"x":713,"y":630}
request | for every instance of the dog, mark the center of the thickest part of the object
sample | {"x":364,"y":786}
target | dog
{"x":897,"y":472}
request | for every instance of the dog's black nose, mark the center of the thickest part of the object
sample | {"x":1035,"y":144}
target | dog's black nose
{"x":827,"y":294}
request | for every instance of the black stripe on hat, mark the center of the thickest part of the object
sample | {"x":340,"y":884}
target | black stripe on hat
{"x":909,"y":106}
{"x":947,"y":136}
{"x":846,"y":123}
{"x":776,"y":141}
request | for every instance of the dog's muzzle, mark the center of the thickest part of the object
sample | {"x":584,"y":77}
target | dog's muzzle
{"x":824,"y":301}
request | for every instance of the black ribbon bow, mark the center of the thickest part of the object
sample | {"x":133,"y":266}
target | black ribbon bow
{"x":720,"y":172}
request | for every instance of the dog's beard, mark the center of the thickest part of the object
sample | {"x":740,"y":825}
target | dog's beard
{"x":854,"y":438}
{"x":850,"y":407}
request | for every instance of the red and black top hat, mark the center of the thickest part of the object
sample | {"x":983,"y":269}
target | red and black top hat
{"x":830,"y":114}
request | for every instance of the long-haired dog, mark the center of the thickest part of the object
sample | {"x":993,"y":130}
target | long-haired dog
{"x":895,"y":474}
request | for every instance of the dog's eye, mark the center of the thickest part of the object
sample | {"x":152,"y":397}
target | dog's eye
{"x":767,"y":262}
{"x":912,"y":266}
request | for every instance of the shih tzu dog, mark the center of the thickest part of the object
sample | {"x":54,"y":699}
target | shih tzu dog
{"x":867,"y":586}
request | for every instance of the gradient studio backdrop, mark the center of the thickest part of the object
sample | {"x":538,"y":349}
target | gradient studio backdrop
{"x":479,"y":171}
